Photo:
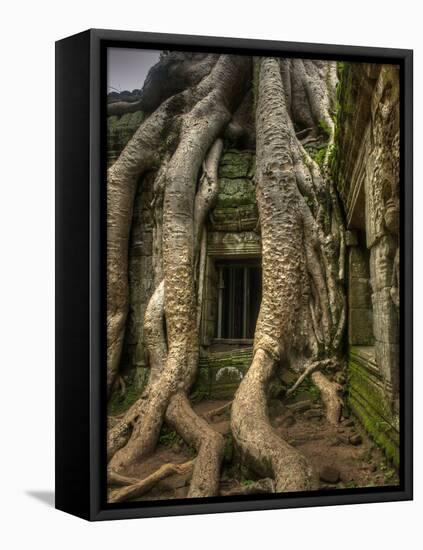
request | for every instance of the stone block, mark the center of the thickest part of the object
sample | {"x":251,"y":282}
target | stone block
{"x":235,"y":192}
{"x":235,"y":164}
{"x":351,"y":238}
{"x":202,"y":382}
{"x":369,"y":402}
{"x":360,"y":327}
{"x":329,"y":474}
{"x":358,"y":263}
{"x":387,"y":359}
{"x":359,"y":293}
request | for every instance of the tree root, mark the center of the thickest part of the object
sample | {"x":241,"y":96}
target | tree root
{"x":119,"y":433}
{"x":259,"y":445}
{"x":113,"y":478}
{"x":312,"y":367}
{"x":209,"y":445}
{"x":142,"y":153}
{"x":141,"y":487}
{"x":263,"y":486}
{"x":209,"y":103}
{"x":199,"y":129}
{"x":329,"y":392}
{"x":207,"y":192}
{"x":303,"y":257}
{"x":209,"y":415}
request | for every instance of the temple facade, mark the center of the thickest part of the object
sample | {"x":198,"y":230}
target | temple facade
{"x":366,"y":173}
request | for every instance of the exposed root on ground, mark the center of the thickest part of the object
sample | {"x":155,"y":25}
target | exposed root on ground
{"x":260,"y":447}
{"x":329,"y":391}
{"x":209,"y":415}
{"x":312,"y":367}
{"x":208,"y":443}
{"x":143,"y":486}
{"x":118,"y":480}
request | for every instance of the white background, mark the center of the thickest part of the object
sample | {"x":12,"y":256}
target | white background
{"x":28,"y":32}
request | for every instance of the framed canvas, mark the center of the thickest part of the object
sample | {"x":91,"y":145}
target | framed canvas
{"x":233,"y":274}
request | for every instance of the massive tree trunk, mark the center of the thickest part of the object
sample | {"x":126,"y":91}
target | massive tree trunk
{"x":199,"y":129}
{"x":302,"y":313}
{"x":173,"y":124}
{"x":302,"y":305}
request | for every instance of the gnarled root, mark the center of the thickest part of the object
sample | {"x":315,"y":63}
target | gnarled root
{"x":209,"y":444}
{"x":209,"y":415}
{"x":141,"y":487}
{"x":260,"y":447}
{"x":310,"y":368}
{"x":118,"y":480}
{"x":199,"y":130}
{"x":119,"y":430}
{"x":265,"y":485}
{"x":329,"y":392}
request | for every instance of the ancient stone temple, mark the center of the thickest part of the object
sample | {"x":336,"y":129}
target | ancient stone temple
{"x":366,"y":172}
{"x":367,"y":176}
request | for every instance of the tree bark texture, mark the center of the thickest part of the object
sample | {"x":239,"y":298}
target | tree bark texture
{"x":301,"y":321}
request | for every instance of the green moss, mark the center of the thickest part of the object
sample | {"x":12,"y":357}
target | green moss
{"x":220,"y":374}
{"x":236,"y":164}
{"x":120,"y":130}
{"x":361,"y":379}
{"x":169,"y":437}
{"x":235,"y":192}
{"x":236,"y":205}
{"x":247,"y":482}
{"x":229,"y":449}
{"x":306,"y":390}
{"x":368,"y":403}
{"x":332,"y":155}
{"x":319,"y":155}
{"x":134,"y":384}
{"x":324,"y":127}
{"x":370,"y":424}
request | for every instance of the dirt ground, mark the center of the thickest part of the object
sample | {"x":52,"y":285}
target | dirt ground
{"x":341,"y":457}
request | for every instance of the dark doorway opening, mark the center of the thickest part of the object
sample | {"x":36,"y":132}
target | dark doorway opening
{"x":239,"y":297}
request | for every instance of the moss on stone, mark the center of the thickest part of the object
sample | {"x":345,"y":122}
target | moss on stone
{"x":370,"y":424}
{"x":236,"y":164}
{"x":135,"y":382}
{"x":220,"y":374}
{"x":235,"y":192}
{"x":120,"y":130}
{"x":369,"y":404}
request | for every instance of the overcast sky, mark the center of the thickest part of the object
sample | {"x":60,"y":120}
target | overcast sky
{"x":128,"y":67}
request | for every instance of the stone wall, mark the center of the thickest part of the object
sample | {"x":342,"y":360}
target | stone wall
{"x":120,"y":129}
{"x":366,"y":168}
{"x":232,"y":233}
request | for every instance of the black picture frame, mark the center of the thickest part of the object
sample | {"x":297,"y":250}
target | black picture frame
{"x":80,"y":275}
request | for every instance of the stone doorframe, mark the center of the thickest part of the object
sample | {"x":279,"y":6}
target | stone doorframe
{"x":222,"y":246}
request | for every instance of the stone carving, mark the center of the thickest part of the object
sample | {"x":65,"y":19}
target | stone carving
{"x":383,"y":224}
{"x":370,"y":184}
